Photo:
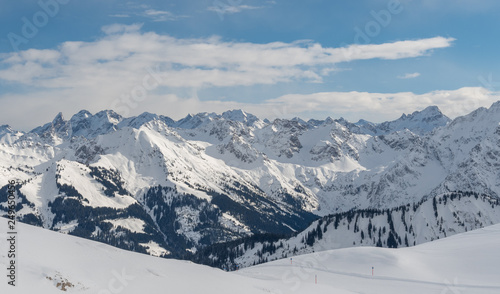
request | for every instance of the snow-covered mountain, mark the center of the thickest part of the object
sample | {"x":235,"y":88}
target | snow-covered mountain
{"x":49,"y":263}
{"x":419,"y":122}
{"x":405,"y":226}
{"x":152,"y":184}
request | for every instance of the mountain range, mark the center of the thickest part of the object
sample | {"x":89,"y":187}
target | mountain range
{"x":181,"y":188}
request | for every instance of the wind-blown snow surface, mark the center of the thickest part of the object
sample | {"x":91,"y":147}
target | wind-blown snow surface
{"x":465,"y":263}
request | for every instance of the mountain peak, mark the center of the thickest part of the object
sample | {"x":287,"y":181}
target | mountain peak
{"x":82,"y":114}
{"x":147,"y":116}
{"x":240,"y":115}
{"x":342,"y":121}
{"x":58,"y":119}
{"x":363,"y":122}
{"x":432,"y":108}
{"x":6,"y":129}
{"x":58,"y":126}
{"x":430,"y":112}
{"x":495,"y":105}
{"x":110,"y":116}
{"x":419,"y":122}
{"x":194,"y":121}
{"x":329,"y":121}
{"x":234,"y":112}
{"x":138,"y":121}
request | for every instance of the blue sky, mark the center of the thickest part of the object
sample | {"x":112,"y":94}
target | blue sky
{"x":356,"y":59}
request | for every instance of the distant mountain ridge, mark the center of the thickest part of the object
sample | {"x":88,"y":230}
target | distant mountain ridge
{"x":88,"y":125}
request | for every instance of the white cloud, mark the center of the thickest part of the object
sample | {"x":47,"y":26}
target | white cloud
{"x":161,"y":15}
{"x":396,"y":50}
{"x":454,"y":6}
{"x":124,"y":53}
{"x":93,"y":75}
{"x":380,"y":107}
{"x":122,"y":15}
{"x":120,"y":29}
{"x":409,"y":76}
{"x":231,"y":9}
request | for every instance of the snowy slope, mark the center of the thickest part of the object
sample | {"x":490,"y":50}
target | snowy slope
{"x":435,"y":218}
{"x":464,"y":263}
{"x":49,"y":262}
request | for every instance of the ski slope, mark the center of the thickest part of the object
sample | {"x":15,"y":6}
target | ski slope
{"x":49,"y":261}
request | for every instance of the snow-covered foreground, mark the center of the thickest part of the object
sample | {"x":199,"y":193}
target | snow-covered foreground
{"x":465,"y":263}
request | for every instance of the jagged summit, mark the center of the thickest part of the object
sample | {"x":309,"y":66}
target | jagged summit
{"x":419,"y":122}
{"x":241,"y":116}
{"x":82,"y":114}
{"x":4,"y":129}
{"x":59,"y":119}
{"x":138,"y":121}
{"x":429,"y":114}
{"x":50,"y":130}
{"x":8,"y":134}
{"x":194,"y":121}
{"x":235,"y":114}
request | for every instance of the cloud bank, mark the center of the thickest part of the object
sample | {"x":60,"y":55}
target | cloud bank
{"x":124,"y":51}
{"x":125,"y":61}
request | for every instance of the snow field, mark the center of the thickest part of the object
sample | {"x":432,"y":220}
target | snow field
{"x":465,"y":263}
